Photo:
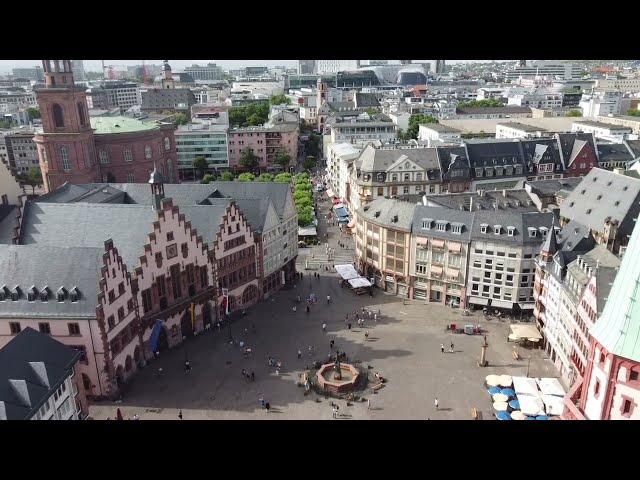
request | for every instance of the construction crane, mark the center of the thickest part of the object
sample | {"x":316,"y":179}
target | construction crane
{"x":145,"y":78}
{"x":111,"y":73}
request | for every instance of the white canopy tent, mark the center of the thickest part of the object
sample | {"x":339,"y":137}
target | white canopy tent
{"x":347,"y":271}
{"x":359,"y":282}
{"x":531,"y":405}
{"x":551,"y":386}
{"x":530,"y":332}
{"x":553,"y":404}
{"x":525,"y":386}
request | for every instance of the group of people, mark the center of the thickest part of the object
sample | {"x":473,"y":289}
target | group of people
{"x":249,"y":376}
{"x":450,"y":347}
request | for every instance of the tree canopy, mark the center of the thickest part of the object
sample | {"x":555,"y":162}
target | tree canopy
{"x":208,"y":178}
{"x":248,"y":159}
{"x":310,"y":162}
{"x":574,"y":113}
{"x":488,"y":103}
{"x":303,"y":198}
{"x":200,"y":164}
{"x":265,"y":177}
{"x":279,"y":99}
{"x":180,"y":119}
{"x":33,"y":113}
{"x":252,"y":114}
{"x":33,"y":178}
{"x":226,"y":177}
{"x":246,"y":177}
{"x":633,"y":113}
{"x":283,"y":159}
{"x":414,"y":124}
{"x":283,"y":178}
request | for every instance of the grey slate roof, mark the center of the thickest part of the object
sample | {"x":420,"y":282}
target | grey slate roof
{"x":489,"y":153}
{"x":52,"y":267}
{"x":515,"y":200}
{"x":603,"y":194}
{"x":32,"y":367}
{"x":453,"y":158}
{"x":90,"y":225}
{"x":614,"y":152}
{"x":422,"y":212}
{"x":380,"y":159}
{"x":567,"y":141}
{"x":254,"y":210}
{"x":542,"y":151}
{"x":551,"y":187}
{"x":364,"y":100}
{"x":575,"y":236}
{"x":634,"y":147}
{"x":387,"y":209}
{"x":521,"y":221}
{"x":8,"y":223}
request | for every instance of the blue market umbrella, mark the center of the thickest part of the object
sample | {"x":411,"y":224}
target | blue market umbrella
{"x":503,"y":416}
{"x":509,"y":392}
{"x":542,"y":417}
{"x":494,"y":390}
{"x":515,"y":404}
{"x":529,"y":418}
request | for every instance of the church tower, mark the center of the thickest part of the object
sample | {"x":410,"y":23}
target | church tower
{"x":66,"y":146}
{"x":167,"y":76}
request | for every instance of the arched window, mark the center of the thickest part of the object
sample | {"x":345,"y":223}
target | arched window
{"x":167,"y":143}
{"x":58,"y":117}
{"x":64,"y":159}
{"x":81,"y":116}
{"x":147,"y":152}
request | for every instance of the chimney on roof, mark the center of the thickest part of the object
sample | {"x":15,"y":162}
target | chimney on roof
{"x":504,"y":192}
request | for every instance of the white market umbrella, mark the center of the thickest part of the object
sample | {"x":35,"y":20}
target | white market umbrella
{"x":500,"y":406}
{"x":517,"y":415}
{"x":505,"y":381}
{"x":493,"y":380}
{"x":500,"y":397}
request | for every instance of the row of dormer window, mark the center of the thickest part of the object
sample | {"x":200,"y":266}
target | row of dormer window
{"x":33,"y":294}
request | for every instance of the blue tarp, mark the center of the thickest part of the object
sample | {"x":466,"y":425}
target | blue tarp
{"x":503,"y":416}
{"x":155,"y":335}
{"x":515,"y":404}
{"x":494,"y":390}
{"x":509,"y":392}
{"x":542,"y":417}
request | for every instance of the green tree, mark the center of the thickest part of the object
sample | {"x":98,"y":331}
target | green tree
{"x":181,"y":119}
{"x":5,"y":123}
{"x":488,"y":103}
{"x":33,"y":178}
{"x":201,"y":165}
{"x":33,"y":113}
{"x":265,"y":177}
{"x":208,"y":178}
{"x":371,"y":111}
{"x":226,"y":177}
{"x":283,"y":178}
{"x":310,"y":162}
{"x":246,"y":177}
{"x":414,"y":124}
{"x":574,"y":113}
{"x":254,"y":120}
{"x":279,"y":99}
{"x":633,"y":113}
{"x":248,"y":159}
{"x":283,"y":159}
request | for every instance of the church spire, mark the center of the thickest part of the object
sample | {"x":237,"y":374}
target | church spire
{"x":550,"y":245}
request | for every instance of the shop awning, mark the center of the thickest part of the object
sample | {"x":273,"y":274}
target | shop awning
{"x":551,"y":386}
{"x":455,"y":247}
{"x":307,"y":231}
{"x":527,"y":306}
{"x":553,"y":404}
{"x":359,"y":282}
{"x":525,"y":386}
{"x":437,"y":243}
{"x":529,"y":332}
{"x":435,"y":270}
{"x":501,"y":304}
{"x":479,"y":301}
{"x":422,"y":241}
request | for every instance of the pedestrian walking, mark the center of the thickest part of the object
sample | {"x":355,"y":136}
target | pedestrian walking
{"x":435,"y":402}
{"x":366,"y":336}
{"x":244,"y":373}
{"x":370,"y":314}
{"x":253,"y":376}
{"x":324,"y":328}
{"x":451,"y":350}
{"x":368,"y":404}
{"x":331,"y":343}
{"x":335,"y":412}
{"x":310,"y":350}
{"x":187,"y":367}
{"x":295,"y":309}
{"x":277,"y":371}
{"x":375,"y":318}
{"x":262,"y":402}
{"x":118,"y":414}
{"x":267,"y":406}
{"x":299,"y":354}
{"x":442,"y":347}
{"x":349,"y":325}
{"x":346,"y":318}
{"x":136,"y":417}
{"x":180,"y":414}
{"x":308,"y":309}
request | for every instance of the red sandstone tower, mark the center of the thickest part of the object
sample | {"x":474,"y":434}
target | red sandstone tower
{"x":66,"y":147}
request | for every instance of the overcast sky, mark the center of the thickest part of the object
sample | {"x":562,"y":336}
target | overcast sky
{"x":94,"y":65}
